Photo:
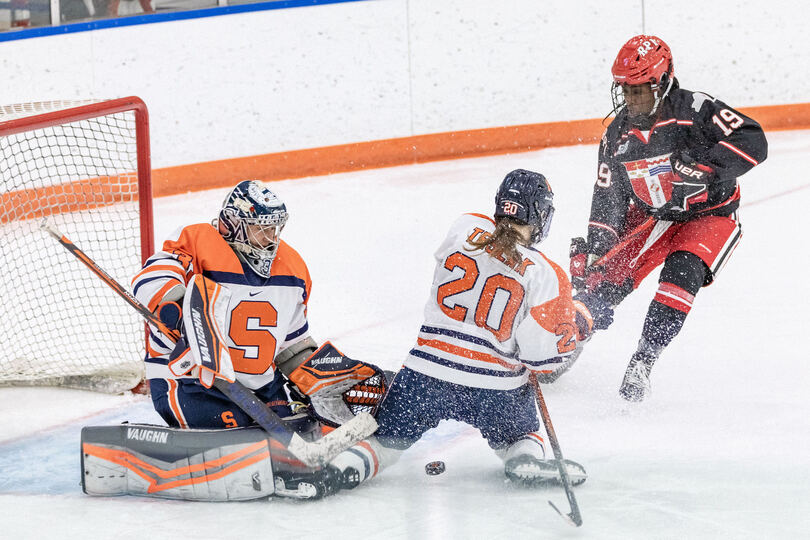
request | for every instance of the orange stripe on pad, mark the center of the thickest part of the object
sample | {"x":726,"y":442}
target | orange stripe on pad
{"x":140,"y":467}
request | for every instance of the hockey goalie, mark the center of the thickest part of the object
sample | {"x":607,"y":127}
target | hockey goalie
{"x":236,"y":295}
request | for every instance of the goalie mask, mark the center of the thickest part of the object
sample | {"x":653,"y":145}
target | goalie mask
{"x":526,"y":196}
{"x":642,"y":78}
{"x":251,"y":221}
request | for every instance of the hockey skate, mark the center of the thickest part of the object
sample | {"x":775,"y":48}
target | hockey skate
{"x":636,"y":384}
{"x":529,"y":471}
{"x":313,"y":485}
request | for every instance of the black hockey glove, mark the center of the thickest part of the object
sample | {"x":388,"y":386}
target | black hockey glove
{"x":171,"y":315}
{"x":690,"y":188}
{"x":601,"y":312}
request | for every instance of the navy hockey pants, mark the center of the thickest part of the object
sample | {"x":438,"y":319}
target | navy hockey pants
{"x":417,"y":402}
{"x":188,"y":404}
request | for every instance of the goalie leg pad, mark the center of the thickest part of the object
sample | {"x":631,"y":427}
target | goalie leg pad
{"x":191,"y":465}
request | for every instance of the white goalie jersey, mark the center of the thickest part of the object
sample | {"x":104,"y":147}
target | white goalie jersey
{"x":264,"y":315}
{"x":488,"y":320}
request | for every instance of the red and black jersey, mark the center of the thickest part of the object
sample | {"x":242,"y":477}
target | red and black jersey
{"x":634,"y":168}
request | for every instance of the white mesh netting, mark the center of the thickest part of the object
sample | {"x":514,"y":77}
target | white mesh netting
{"x":61,"y":325}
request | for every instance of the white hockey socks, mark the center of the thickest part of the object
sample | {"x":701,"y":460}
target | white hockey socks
{"x":363,"y":461}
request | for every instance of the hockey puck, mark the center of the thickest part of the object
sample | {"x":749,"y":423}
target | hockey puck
{"x":434,"y":467}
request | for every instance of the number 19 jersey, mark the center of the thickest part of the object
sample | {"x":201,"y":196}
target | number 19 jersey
{"x":491,"y":319}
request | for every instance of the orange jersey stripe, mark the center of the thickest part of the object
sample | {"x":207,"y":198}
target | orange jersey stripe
{"x":465,"y":353}
{"x":158,"y":297}
{"x":162,"y":268}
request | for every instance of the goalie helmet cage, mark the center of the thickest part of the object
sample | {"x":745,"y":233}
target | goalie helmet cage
{"x":85,"y":167}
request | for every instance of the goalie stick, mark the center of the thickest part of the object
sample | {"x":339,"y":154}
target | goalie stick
{"x":313,"y":454}
{"x":573,"y":517}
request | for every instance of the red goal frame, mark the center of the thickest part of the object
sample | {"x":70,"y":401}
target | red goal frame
{"x":94,"y":110}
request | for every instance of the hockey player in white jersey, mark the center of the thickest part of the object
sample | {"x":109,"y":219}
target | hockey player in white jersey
{"x":498,"y":310}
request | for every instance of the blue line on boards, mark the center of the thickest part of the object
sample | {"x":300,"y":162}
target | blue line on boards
{"x":152,"y":18}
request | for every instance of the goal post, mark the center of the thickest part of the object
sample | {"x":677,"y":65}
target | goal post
{"x":85,"y":167}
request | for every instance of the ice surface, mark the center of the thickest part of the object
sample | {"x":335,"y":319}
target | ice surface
{"x":720,"y":450}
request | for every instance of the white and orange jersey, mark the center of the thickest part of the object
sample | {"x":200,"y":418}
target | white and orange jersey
{"x":489,"y":320}
{"x":267,"y":315}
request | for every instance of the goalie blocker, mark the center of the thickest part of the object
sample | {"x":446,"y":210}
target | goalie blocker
{"x":196,"y":465}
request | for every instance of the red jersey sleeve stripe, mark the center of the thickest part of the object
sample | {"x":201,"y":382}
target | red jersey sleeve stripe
{"x":739,"y":152}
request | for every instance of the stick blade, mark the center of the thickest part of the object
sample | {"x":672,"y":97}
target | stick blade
{"x":573,"y":518}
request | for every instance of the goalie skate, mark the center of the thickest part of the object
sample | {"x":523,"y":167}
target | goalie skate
{"x":529,"y":471}
{"x":309,"y":484}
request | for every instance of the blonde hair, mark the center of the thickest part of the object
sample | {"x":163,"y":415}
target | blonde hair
{"x":503,"y":241}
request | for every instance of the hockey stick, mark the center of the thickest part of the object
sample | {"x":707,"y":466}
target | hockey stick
{"x":647,"y":224}
{"x":313,"y":454}
{"x":574,"y":517}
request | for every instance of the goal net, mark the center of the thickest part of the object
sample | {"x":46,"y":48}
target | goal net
{"x":84,"y":167}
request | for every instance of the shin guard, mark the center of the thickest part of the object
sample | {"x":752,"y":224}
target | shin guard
{"x":192,"y":465}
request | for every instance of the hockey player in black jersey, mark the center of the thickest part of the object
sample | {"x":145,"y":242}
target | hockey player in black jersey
{"x":666,"y":192}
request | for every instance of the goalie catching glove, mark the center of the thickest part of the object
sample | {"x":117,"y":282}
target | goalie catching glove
{"x":338,"y":386}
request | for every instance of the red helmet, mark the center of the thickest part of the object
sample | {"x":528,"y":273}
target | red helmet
{"x":643,"y":59}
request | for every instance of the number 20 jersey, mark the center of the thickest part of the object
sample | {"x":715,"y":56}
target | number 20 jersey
{"x":265,"y":315}
{"x":489,"y":320}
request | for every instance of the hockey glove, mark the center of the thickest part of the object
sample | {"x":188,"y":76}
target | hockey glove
{"x":690,"y":187}
{"x":578,"y":265}
{"x":593,"y":313}
{"x":326,"y":376}
{"x":583,"y":272}
{"x":171,"y":315}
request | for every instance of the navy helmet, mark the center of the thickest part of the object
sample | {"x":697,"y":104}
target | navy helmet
{"x":526,"y":196}
{"x":251,"y":221}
